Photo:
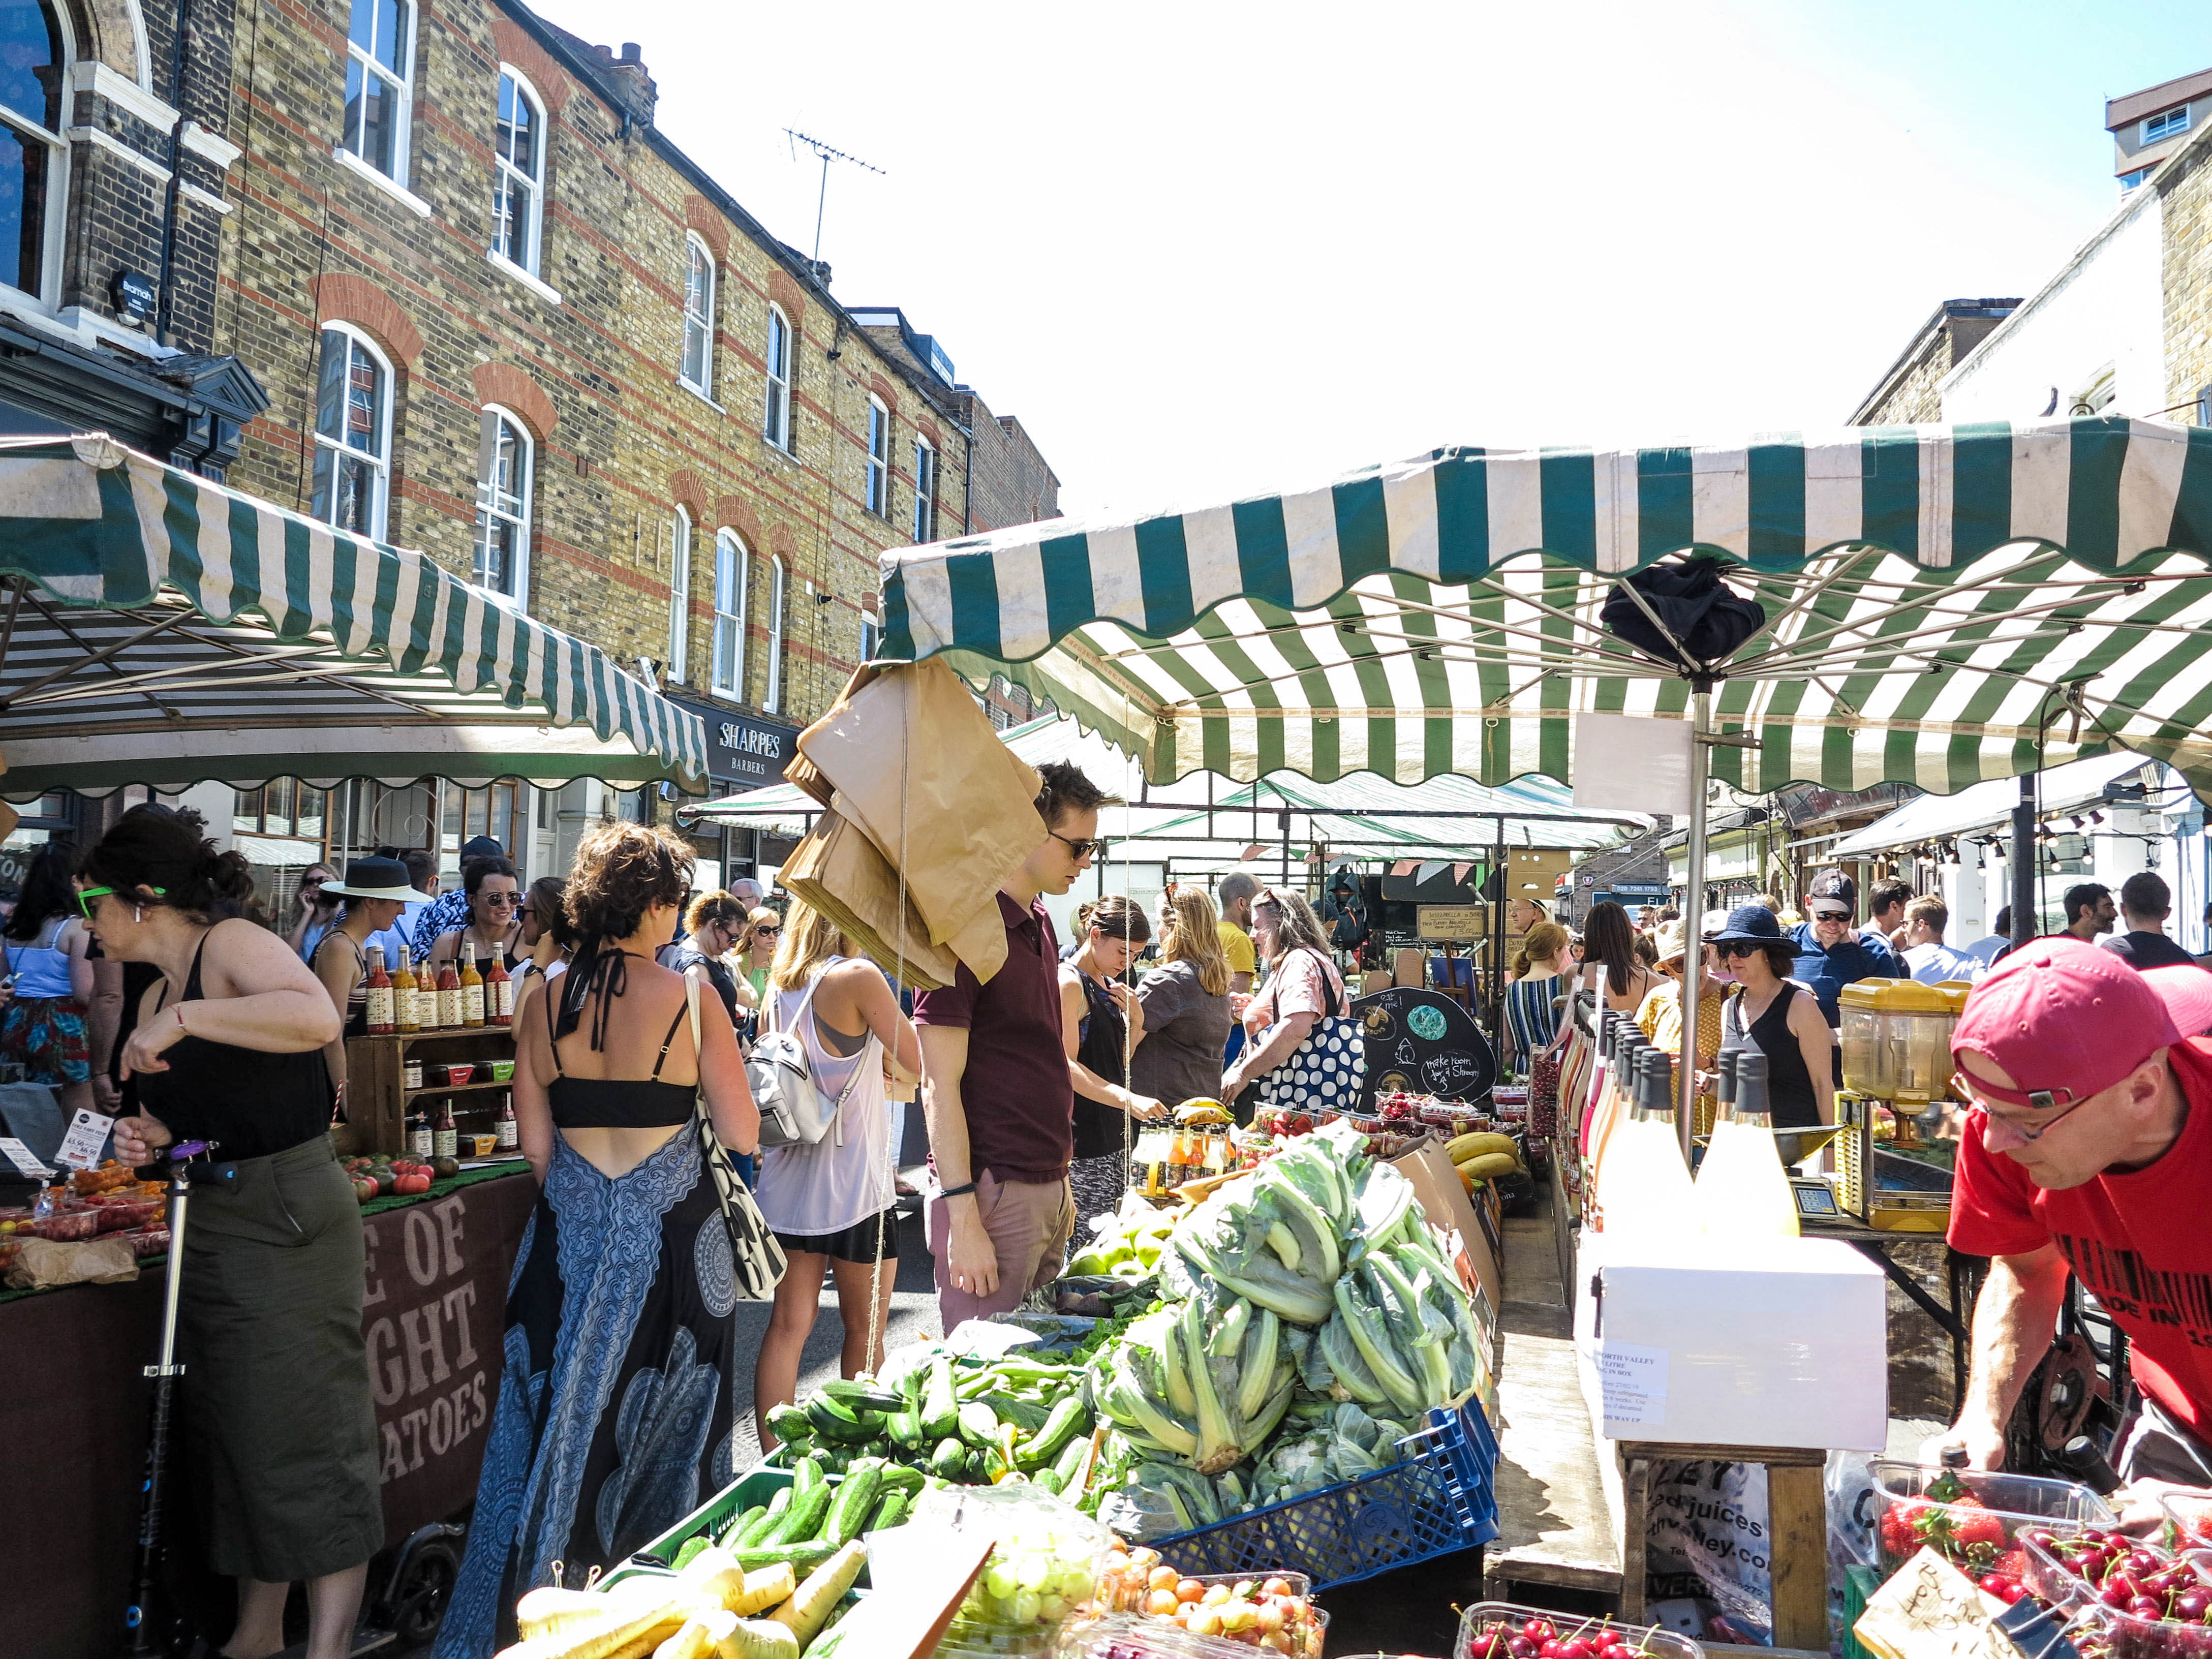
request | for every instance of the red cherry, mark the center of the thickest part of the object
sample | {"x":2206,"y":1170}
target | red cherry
{"x":1539,"y":1630}
{"x":1521,"y":1648}
{"x":1577,"y":1648}
{"x":2192,"y":1604}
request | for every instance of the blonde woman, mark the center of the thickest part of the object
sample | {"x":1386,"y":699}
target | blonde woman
{"x":1185,"y":1002}
{"x":831,"y":1206}
{"x":755,"y":951}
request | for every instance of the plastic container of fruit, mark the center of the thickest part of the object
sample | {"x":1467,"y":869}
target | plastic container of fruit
{"x":2190,"y":1515}
{"x":2163,"y":1608}
{"x":70,"y":1223}
{"x":1239,"y":1607}
{"x":1488,"y":1630}
{"x":1131,"y":1636}
{"x":1044,"y":1565}
{"x":1976,"y":1534}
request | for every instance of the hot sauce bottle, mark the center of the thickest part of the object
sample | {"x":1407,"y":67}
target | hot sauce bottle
{"x":472,"y":986}
{"x":382,"y":1018}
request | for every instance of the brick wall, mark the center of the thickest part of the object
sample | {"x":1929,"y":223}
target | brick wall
{"x":2186,"y":276}
{"x":593,"y":374}
{"x":1912,"y":391}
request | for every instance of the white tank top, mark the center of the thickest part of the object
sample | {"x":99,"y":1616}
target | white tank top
{"x":826,"y":1188}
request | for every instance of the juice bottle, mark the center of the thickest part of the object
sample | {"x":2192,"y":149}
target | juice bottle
{"x":1647,"y":1192}
{"x":418,"y":1136}
{"x":1741,"y":1190}
{"x":383,"y":1018}
{"x":1611,"y":1114}
{"x":449,"y":995}
{"x":498,"y":991}
{"x":472,"y":986}
{"x":406,"y":997}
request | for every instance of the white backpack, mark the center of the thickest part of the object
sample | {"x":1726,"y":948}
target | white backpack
{"x":793,"y":1110}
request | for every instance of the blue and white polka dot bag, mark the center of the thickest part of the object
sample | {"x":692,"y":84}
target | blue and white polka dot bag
{"x":1326,"y":1071}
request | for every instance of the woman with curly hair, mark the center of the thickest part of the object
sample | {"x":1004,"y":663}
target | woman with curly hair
{"x":617,"y":1406}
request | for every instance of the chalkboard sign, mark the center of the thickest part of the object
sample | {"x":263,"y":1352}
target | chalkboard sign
{"x":1422,"y":1042}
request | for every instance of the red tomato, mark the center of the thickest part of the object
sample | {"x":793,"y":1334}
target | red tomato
{"x":414,"y":1181}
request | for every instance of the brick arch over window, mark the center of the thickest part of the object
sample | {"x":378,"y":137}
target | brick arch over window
{"x":343,"y":297}
{"x":684,"y":486}
{"x":546,"y":77}
{"x":789,"y":297}
{"x":929,"y":430}
{"x":735,"y":513}
{"x":884,"y":391}
{"x":113,"y":33}
{"x":784,"y":546}
{"x":700,"y":218}
{"x":508,"y":387}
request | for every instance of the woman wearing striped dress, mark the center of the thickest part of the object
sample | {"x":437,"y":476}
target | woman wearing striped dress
{"x":1532,"y":1013}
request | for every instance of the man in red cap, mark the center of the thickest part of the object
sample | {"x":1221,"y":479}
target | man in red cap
{"x":2088,"y":1149}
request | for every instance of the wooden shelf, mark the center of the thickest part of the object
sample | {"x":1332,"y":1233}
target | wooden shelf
{"x":457,"y":1088}
{"x":440,"y":1035}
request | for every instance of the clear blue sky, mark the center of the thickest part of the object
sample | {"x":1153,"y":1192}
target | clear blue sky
{"x":1204,"y":250}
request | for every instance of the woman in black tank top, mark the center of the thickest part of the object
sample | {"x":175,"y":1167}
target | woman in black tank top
{"x":617,"y":1406}
{"x":1778,"y":1017}
{"x":278,"y":1411}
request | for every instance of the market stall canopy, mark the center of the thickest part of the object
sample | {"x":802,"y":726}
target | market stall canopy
{"x":1986,"y":808}
{"x":1181,"y":825}
{"x":1943,"y":604}
{"x":159,"y":628}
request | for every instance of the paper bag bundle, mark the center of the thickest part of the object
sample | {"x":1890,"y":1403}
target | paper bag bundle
{"x":45,"y":1262}
{"x":917,"y":783}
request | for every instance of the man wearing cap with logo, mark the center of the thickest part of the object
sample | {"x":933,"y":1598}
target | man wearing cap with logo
{"x":2088,"y":1150}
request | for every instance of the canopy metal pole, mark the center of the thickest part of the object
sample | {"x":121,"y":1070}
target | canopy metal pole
{"x":1497,"y":964}
{"x":1693,"y":906}
{"x":2024,"y":918}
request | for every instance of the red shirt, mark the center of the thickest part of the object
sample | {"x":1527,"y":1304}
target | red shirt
{"x":1019,"y":1100}
{"x":2137,"y":1242}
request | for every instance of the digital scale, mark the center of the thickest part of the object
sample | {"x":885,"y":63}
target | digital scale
{"x":1815,"y":1199}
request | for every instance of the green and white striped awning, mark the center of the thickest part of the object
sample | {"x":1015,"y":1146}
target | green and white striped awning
{"x":159,"y":628}
{"x":1945,"y":604}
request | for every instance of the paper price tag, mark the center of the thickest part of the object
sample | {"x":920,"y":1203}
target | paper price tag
{"x":21,"y":1156}
{"x":1633,"y":1381}
{"x":86,"y":1136}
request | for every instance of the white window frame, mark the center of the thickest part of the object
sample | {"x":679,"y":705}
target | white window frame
{"x":45,"y":296}
{"x":776,"y":416}
{"x":2169,"y":123}
{"x":679,"y":597}
{"x":504,"y":169}
{"x":925,"y":490}
{"x":380,"y":514}
{"x":877,"y":495}
{"x":401,"y":76}
{"x":698,"y":257}
{"x":733,"y":571}
{"x":526,"y":462}
{"x":2135,"y":179}
{"x":772,"y":697}
{"x":872,"y":636}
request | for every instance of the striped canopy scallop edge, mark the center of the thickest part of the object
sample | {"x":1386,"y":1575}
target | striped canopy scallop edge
{"x":95,"y":525}
{"x":1944,"y":604}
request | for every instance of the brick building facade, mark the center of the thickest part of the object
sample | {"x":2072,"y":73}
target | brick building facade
{"x":502,"y":319}
{"x":1910,"y":390}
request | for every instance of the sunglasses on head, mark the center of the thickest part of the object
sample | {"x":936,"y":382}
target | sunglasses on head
{"x":85,"y":895}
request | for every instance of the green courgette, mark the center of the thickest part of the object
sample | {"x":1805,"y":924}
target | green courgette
{"x":789,"y":1423}
{"x":904,"y":1427}
{"x":1071,"y":1459}
{"x":692,"y":1547}
{"x":804,"y":1557}
{"x":1024,"y":1416}
{"x":766,"y":1522}
{"x":802,"y":1521}
{"x":940,"y":1407}
{"x":890,"y":1510}
{"x":735,"y":1531}
{"x":901,"y":1477}
{"x":806,"y":1475}
{"x":949,"y":1460}
{"x":859,"y":1397}
{"x":1046,"y":1445}
{"x":856,"y":1499}
{"x":978,"y":1423}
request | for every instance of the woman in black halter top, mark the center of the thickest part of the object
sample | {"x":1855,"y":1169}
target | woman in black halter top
{"x":280,"y":1432}
{"x":616,"y":1409}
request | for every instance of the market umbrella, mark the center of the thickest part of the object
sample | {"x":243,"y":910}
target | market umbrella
{"x":1943,"y":604}
{"x":156,"y":628}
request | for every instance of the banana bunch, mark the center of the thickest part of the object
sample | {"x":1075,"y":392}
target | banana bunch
{"x":1483,"y":1155}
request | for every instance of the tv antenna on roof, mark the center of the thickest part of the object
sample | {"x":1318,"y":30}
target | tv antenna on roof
{"x":827,"y":155}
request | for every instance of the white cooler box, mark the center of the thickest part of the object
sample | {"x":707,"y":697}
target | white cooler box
{"x":1699,"y":1342}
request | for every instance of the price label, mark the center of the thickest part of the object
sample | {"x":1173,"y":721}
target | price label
{"x":87,"y":1137}
{"x":1631,"y":1382}
{"x":21,"y":1156}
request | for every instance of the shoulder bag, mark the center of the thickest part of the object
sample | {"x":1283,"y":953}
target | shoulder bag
{"x":793,"y":1111}
{"x":1328,"y":1071}
{"x":754,"y":1257}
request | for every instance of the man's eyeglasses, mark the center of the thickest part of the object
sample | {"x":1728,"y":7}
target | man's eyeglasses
{"x":1964,"y":1084}
{"x":85,"y":895}
{"x":1083,"y":848}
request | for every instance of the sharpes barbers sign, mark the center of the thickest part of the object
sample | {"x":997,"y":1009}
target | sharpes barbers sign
{"x":743,"y":750}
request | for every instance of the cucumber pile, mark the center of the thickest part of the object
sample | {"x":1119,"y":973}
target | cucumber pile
{"x":969,"y":1425}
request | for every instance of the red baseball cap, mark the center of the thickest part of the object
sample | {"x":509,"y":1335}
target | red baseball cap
{"x":2068,"y":1019}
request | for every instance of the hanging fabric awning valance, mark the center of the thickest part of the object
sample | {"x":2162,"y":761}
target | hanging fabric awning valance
{"x":156,"y":628}
{"x":1945,"y":604}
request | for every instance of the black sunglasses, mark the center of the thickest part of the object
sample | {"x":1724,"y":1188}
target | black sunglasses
{"x":1737,"y":947}
{"x":1080,"y":848}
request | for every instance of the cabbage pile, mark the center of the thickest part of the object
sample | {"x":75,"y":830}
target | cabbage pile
{"x":1309,"y":1320}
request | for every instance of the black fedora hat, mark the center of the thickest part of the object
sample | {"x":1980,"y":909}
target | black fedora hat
{"x":1749,"y":923}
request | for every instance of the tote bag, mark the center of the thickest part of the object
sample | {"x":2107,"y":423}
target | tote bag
{"x":1328,"y":1071}
{"x":759,"y":1260}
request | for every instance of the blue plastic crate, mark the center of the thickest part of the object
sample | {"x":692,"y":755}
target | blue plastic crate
{"x":1441,"y":1499}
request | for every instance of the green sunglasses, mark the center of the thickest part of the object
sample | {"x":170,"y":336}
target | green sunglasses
{"x":86,"y":895}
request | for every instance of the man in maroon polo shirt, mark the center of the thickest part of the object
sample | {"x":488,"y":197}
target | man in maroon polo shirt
{"x":996,"y":1087}
{"x":2088,"y":1151}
